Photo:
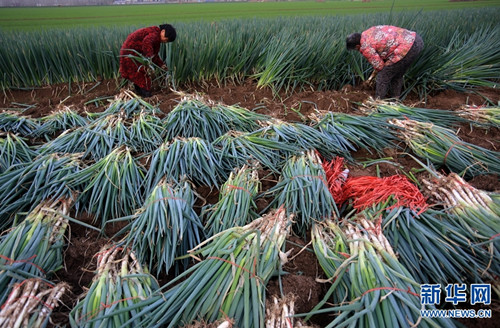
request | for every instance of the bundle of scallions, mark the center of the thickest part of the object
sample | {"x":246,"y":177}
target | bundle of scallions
{"x":241,"y":119}
{"x":444,"y":148}
{"x":119,"y":286}
{"x":299,"y":135}
{"x":371,"y":288}
{"x":474,"y":214}
{"x":95,"y":140}
{"x":34,"y":247}
{"x":280,"y":313}
{"x":342,"y":133}
{"x":146,"y":133}
{"x":31,"y":303}
{"x":185,"y":158}
{"x":127,"y":106}
{"x":236,"y":205}
{"x":430,"y":245}
{"x":237,"y":149}
{"x":111,"y":187}
{"x":165,"y":227}
{"x":303,"y":190}
{"x":24,"y":185}
{"x":389,"y":110}
{"x":481,"y":115}
{"x":229,"y":281}
{"x":14,"y":150}
{"x":60,"y":120}
{"x":193,"y":117}
{"x":17,"y":124}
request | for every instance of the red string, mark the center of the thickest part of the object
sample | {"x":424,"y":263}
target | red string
{"x":311,"y":176}
{"x":333,"y":171}
{"x":103,"y":306}
{"x":235,"y":264}
{"x":448,"y":152}
{"x":369,"y":190}
{"x":238,"y":188}
{"x":23,"y":261}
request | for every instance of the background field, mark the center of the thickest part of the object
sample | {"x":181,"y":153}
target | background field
{"x":142,"y":15}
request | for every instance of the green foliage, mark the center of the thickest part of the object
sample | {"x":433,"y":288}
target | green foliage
{"x":460,"y":51}
{"x":32,"y":18}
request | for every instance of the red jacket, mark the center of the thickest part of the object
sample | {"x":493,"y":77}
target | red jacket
{"x":384,"y":45}
{"x":145,"y":41}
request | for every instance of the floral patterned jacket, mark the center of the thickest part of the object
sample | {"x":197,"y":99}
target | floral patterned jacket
{"x":384,"y":45}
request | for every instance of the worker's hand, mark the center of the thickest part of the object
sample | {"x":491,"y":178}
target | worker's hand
{"x":164,"y":67}
{"x":372,"y":77}
{"x":370,"y":82}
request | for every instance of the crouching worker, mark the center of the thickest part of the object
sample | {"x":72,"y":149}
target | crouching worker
{"x":390,"y":50}
{"x":144,"y":42}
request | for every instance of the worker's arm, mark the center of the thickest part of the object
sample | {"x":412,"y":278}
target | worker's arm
{"x":148,"y":49}
{"x":373,"y":58}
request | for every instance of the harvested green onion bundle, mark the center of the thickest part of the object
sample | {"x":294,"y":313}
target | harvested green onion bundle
{"x":60,"y":120}
{"x":236,"y":203}
{"x":20,"y":125}
{"x":371,"y":287}
{"x":165,"y":227}
{"x":30,"y":303}
{"x":34,"y":248}
{"x":116,"y":292}
{"x":474,"y":213}
{"x":191,"y":158}
{"x":237,"y":149}
{"x":14,"y":150}
{"x":331,"y":251}
{"x":299,"y":135}
{"x":127,"y":106}
{"x":111,"y":188}
{"x":228,"y":282}
{"x":95,"y":140}
{"x":241,"y":119}
{"x":24,"y":185}
{"x":482,"y":116}
{"x":430,"y":246}
{"x":280,"y":312}
{"x":442,"y":147}
{"x":387,"y":110}
{"x":343,"y":133}
{"x":146,"y":133}
{"x":303,"y":190}
{"x":194,"y":118}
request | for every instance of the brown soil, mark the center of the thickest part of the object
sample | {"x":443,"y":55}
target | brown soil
{"x":303,"y":269}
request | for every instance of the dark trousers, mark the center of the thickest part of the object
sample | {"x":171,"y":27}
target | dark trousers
{"x":390,"y":78}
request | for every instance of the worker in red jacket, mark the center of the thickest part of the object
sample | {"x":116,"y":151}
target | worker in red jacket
{"x":146,"y":42}
{"x":391,"y":50}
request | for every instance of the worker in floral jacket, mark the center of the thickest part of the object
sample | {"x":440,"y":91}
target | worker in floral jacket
{"x":390,"y":50}
{"x":144,"y":42}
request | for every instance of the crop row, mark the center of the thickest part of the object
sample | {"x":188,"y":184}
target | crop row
{"x":461,"y":50}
